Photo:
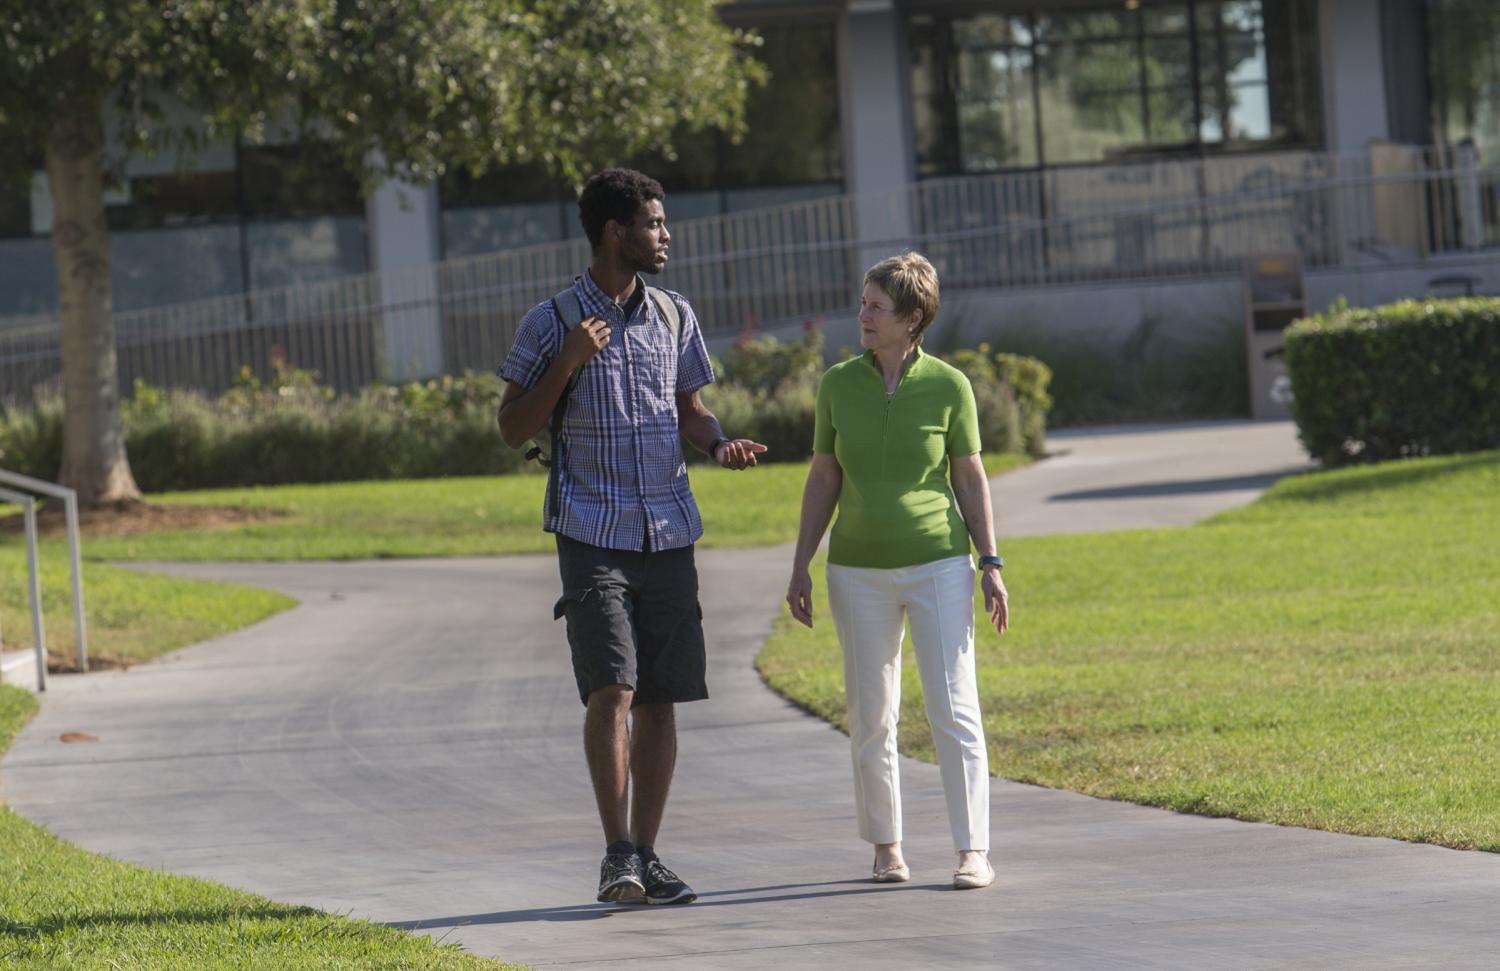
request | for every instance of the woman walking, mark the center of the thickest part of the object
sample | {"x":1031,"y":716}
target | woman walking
{"x":896,"y":448}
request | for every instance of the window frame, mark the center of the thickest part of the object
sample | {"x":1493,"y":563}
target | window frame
{"x":1209,"y":86}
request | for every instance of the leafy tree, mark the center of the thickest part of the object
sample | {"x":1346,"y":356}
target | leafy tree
{"x":390,"y":87}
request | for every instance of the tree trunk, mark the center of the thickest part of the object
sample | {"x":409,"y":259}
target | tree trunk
{"x":94,"y":461}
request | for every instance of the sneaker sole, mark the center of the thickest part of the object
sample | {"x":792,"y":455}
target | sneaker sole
{"x":624,"y":892}
{"x":686,"y":897}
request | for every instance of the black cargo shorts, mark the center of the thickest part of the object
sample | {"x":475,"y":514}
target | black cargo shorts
{"x":633,"y":619}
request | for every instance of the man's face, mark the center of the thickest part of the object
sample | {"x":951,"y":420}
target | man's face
{"x":643,"y":243}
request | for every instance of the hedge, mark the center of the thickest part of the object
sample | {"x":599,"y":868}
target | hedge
{"x":1408,"y":379}
{"x":291,"y":429}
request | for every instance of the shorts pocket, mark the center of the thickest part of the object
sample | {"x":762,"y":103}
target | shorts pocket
{"x":575,"y":596}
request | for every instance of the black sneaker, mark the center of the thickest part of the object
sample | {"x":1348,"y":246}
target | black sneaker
{"x":665,"y":887}
{"x":620,"y":879}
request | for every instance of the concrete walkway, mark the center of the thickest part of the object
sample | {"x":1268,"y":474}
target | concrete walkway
{"x":405,"y":746}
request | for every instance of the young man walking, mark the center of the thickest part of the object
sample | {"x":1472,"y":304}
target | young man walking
{"x":619,"y":503}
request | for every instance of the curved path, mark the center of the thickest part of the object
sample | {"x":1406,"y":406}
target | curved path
{"x":405,"y":746}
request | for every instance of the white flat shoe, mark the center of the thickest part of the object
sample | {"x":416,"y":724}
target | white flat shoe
{"x":898,"y":873}
{"x":969,"y":879}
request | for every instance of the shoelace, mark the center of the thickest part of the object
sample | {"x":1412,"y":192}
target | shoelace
{"x":659,"y":873}
{"x":617,"y":865}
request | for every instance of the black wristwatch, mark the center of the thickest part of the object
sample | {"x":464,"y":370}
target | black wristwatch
{"x":714,"y":447}
{"x":989,"y":559}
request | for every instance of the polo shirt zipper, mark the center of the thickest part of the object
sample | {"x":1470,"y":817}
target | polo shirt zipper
{"x":890,"y":400}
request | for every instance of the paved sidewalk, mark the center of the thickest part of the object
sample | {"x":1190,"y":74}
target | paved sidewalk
{"x":1140,"y":476}
{"x":405,"y":746}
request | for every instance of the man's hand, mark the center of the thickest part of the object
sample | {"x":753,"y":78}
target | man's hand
{"x":584,"y":341}
{"x":737,"y":453}
{"x":799,"y":596}
{"x":996,"y":599}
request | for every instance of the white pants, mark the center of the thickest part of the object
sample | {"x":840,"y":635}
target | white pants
{"x":869,"y":606}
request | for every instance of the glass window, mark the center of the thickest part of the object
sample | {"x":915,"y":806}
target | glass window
{"x":289,"y":252}
{"x":28,"y":283}
{"x":1464,"y":38}
{"x":295,"y":180}
{"x":182,"y":199}
{"x":794,"y":120}
{"x":15,"y":210}
{"x":993,"y":92}
{"x":155,"y":268}
{"x":934,"y":91}
{"x":792,"y":141}
{"x":527,"y":182}
{"x":996,"y":110}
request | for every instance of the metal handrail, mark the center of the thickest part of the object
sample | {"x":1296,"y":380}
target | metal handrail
{"x":75,"y":558}
{"x":28,"y":509}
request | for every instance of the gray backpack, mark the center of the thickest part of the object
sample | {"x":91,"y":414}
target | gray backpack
{"x":569,"y":310}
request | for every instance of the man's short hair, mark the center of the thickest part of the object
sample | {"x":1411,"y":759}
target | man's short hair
{"x":616,"y":194}
{"x":912,"y":283}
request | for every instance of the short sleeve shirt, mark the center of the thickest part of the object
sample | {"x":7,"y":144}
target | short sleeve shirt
{"x":896,"y":506}
{"x":621,"y":482}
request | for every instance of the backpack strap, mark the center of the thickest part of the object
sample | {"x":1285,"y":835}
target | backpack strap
{"x":668,"y":310}
{"x":568,"y":309}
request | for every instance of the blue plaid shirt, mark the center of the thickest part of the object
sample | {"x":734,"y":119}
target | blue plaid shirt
{"x":620,"y":473}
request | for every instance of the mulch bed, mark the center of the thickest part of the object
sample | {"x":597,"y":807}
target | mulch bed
{"x":68,"y":664}
{"x":134,"y":518}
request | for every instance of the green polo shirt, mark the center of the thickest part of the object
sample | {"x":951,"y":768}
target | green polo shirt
{"x":896,"y":507}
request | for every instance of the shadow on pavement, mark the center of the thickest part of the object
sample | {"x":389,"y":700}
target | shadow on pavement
{"x":1185,"y":487}
{"x":725,"y":898}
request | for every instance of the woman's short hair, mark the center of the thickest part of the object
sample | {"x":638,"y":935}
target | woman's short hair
{"x":912,"y":284}
{"x":616,"y":194}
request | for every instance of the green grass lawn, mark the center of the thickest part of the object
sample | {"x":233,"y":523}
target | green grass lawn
{"x":61,"y":907}
{"x":1327,"y":657}
{"x":454,"y":517}
{"x":136,"y":615}
{"x":129,"y":614}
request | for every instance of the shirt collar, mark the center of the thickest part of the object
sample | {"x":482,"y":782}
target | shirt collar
{"x":596,"y":301}
{"x":917,"y":355}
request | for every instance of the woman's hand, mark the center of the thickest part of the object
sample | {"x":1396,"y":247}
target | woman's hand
{"x":996,"y":599}
{"x":799,"y":597}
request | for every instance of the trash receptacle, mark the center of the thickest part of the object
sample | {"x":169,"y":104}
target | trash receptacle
{"x":1274,"y":297}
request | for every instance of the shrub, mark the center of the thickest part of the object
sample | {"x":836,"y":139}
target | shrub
{"x":781,"y":418}
{"x":999,"y":417}
{"x":1155,"y":373}
{"x":1411,"y":378}
{"x":31,"y":439}
{"x":1028,"y":379}
{"x":292,"y":429}
{"x":173,"y":439}
{"x":764,"y":363}
{"x":1010,"y":393}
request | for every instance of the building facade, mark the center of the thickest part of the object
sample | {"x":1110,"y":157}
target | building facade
{"x":867,"y":98}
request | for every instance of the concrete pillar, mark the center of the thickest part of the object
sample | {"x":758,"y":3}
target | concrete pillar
{"x":403,"y":231}
{"x":1354,"y":85}
{"x":1470,"y":204}
{"x":879,"y":153}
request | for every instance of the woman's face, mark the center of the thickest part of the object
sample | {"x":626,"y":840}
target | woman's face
{"x":879,"y":327}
